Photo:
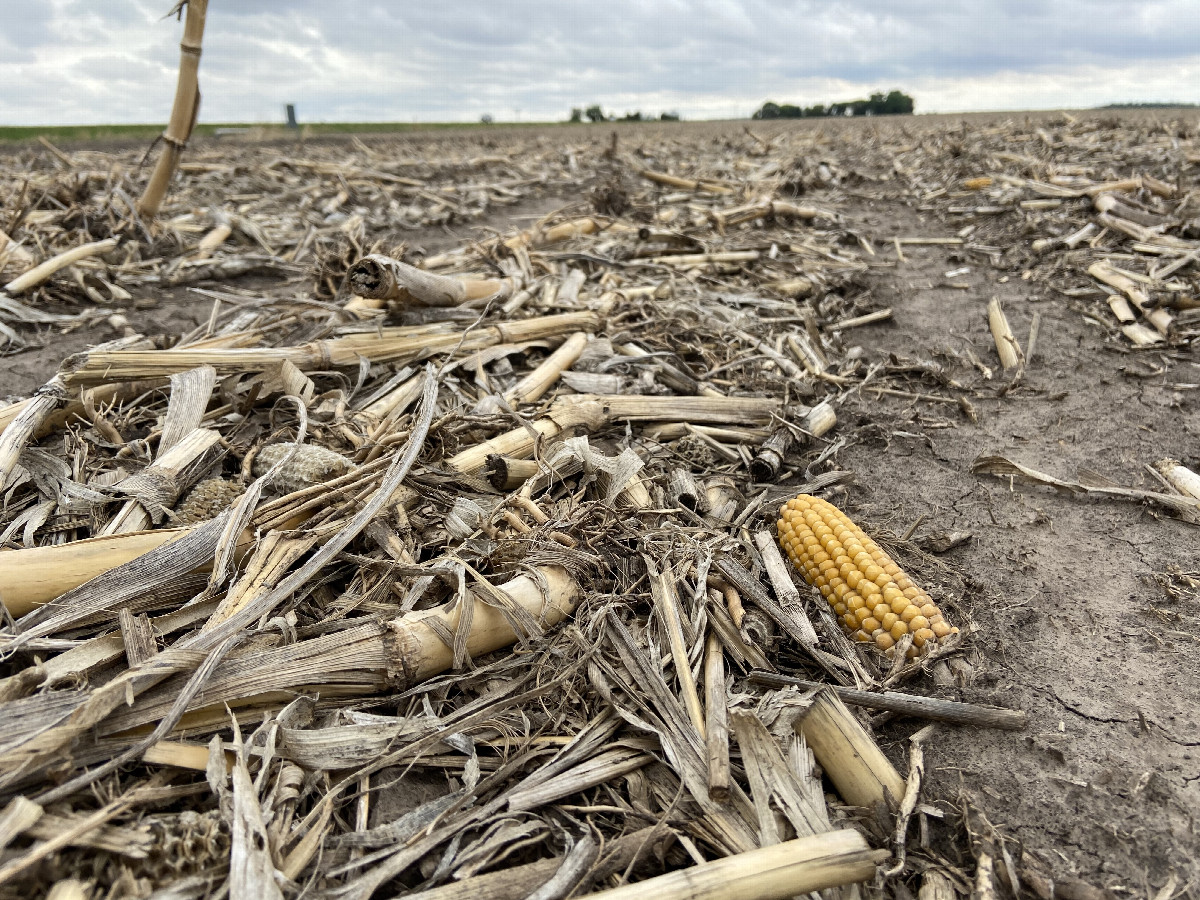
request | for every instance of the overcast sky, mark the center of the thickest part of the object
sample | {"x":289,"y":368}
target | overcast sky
{"x":114,"y":61}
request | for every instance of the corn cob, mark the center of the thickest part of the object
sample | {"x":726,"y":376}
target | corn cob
{"x":207,"y":500}
{"x":872,"y":597}
{"x":312,"y":465}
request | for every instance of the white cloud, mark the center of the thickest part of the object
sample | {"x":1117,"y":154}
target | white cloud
{"x":74,"y":61}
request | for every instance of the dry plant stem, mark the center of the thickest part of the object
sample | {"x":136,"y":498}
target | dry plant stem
{"x":673,"y":431}
{"x":1035,"y":326}
{"x":768,"y":873}
{"x":722,"y":498}
{"x":1007,"y":347}
{"x":912,"y":793}
{"x":1107,"y":203}
{"x":380,"y":277}
{"x":1180,"y":477}
{"x":985,"y":871}
{"x":269,"y":562}
{"x":636,"y":494}
{"x":563,"y":231}
{"x":97,"y":366}
{"x":211,"y":644}
{"x":41,"y":273}
{"x":68,"y":889}
{"x":793,"y":287}
{"x":16,"y":818}
{"x":212,"y":241}
{"x":190,"y":395}
{"x":1186,"y":506}
{"x":699,"y":259}
{"x":363,"y":308}
{"x":395,"y":401}
{"x":849,"y":755}
{"x":780,"y":209}
{"x":538,"y":236}
{"x":723,"y":624}
{"x":13,"y":255}
{"x":671,"y":376}
{"x":183,"y":110}
{"x":1165,"y":272}
{"x":251,"y":869}
{"x":28,"y":420}
{"x":520,"y":882}
{"x":936,"y":885}
{"x":785,"y":589}
{"x":709,"y":410}
{"x":414,"y":647}
{"x":520,"y":442}
{"x":716,"y":707}
{"x":1139,"y":334}
{"x":881,"y":315}
{"x":39,"y":574}
{"x":301,"y":855}
{"x":914,"y":705}
{"x":666,"y":601}
{"x":821,"y":419}
{"x":721,"y":450}
{"x":384,"y":493}
{"x":793,"y":621}
{"x":163,"y":476}
{"x":684,"y":490}
{"x":73,"y":409}
{"x":541,"y":379}
{"x":809,"y":352}
{"x":1104,"y":272}
{"x":104,"y":649}
{"x":181,"y":756}
{"x":137,"y":635}
{"x":507,"y":473}
{"x":766,"y":466}
{"x":603,"y":768}
{"x":686,"y":184}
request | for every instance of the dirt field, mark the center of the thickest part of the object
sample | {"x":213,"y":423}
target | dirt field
{"x":1083,"y":610}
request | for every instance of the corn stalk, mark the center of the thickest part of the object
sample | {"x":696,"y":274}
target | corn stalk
{"x":183,"y":110}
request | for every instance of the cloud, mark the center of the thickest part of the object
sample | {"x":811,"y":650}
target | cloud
{"x":74,"y":61}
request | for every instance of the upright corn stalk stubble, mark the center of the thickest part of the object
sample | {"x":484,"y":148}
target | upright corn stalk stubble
{"x":183,"y":111}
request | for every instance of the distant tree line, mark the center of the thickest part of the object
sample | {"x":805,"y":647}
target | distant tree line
{"x":1148,"y":106}
{"x":894,"y":103}
{"x":595,"y":113}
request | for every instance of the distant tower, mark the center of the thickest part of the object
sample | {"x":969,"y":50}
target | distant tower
{"x":291,"y":116}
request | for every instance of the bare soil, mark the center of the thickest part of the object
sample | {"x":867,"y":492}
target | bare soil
{"x":1072,"y":625}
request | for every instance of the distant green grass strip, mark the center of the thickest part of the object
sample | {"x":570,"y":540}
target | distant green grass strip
{"x":80,"y":133}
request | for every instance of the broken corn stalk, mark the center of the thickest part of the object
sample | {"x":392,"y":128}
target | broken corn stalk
{"x":873,"y":598}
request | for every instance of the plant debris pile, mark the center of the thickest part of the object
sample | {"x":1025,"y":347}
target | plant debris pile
{"x":451,"y":568}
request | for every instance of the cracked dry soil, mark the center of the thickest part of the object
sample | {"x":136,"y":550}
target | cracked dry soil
{"x":1072,"y":622}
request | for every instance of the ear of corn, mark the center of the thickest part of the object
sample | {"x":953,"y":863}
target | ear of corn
{"x":872,"y":597}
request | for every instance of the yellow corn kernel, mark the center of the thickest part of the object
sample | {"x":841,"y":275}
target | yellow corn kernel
{"x":874,"y":599}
